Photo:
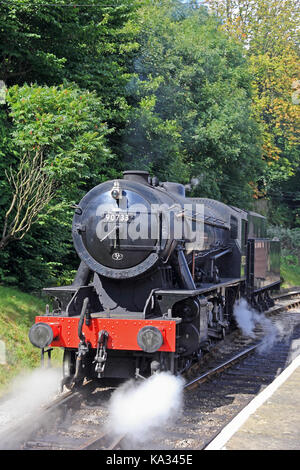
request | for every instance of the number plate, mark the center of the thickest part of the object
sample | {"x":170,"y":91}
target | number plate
{"x":117,"y":217}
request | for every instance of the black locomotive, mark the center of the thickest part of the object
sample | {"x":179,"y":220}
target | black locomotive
{"x":158,"y":279}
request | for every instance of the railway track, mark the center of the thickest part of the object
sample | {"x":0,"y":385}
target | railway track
{"x":215,"y":391}
{"x":15,"y":435}
{"x":105,"y":441}
{"x":108,"y":441}
{"x":221,"y":367}
{"x":35,"y":434}
{"x":231,"y":378}
{"x":285,"y":301}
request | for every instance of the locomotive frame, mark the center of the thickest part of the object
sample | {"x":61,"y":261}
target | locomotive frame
{"x":140,"y":306}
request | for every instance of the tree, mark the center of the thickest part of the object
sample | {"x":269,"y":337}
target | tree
{"x":47,"y":44}
{"x":32,"y":190}
{"x":192,"y":104}
{"x":91,"y":44}
{"x":56,"y":40}
{"x":54,"y":136}
{"x":67,"y":124}
{"x":269,"y":30}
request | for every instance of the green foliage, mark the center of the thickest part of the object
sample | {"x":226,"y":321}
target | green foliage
{"x":269,"y":30}
{"x":285,"y":202}
{"x":192,"y":100}
{"x":51,"y":41}
{"x":150,"y":84}
{"x":290,"y":271}
{"x":278,"y":213}
{"x":290,"y":239}
{"x":68,"y":126}
{"x":65,"y":123}
{"x":290,"y":253}
{"x":91,"y":44}
{"x":153,"y":143}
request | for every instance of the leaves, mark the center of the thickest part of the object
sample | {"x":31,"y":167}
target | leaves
{"x":269,"y":29}
{"x":189,"y":93}
{"x":60,"y":122}
{"x":191,"y":104}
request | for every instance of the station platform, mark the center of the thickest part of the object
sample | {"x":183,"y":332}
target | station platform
{"x":271,"y":421}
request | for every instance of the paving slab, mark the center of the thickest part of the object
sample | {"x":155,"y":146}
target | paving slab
{"x":276,"y":423}
{"x":271,"y":421}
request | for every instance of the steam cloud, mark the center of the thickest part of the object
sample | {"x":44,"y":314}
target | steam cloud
{"x":28,"y":392}
{"x":138,"y":409}
{"x":248,"y":319}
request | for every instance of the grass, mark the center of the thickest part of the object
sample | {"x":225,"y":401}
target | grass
{"x":17,"y":314}
{"x":290,"y":271}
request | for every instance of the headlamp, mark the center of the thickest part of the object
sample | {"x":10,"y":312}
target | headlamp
{"x":41,"y":335}
{"x":150,"y":339}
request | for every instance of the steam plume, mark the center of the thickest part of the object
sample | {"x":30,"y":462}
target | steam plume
{"x":248,"y":319}
{"x":28,"y":392}
{"x":138,"y":409}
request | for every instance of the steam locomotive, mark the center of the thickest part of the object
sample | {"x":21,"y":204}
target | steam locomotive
{"x":157,"y":282}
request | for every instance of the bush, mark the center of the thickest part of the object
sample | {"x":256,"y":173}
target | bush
{"x":68,"y":126}
{"x":290,"y":254}
{"x":290,"y":239}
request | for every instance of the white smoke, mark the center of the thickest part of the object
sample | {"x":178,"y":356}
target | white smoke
{"x":139,"y":408}
{"x":28,"y":393}
{"x":249,"y":319}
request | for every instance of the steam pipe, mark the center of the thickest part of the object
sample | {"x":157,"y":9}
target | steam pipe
{"x":82,"y":275}
{"x":215,"y":257}
{"x":81,"y":319}
{"x":183,"y":270}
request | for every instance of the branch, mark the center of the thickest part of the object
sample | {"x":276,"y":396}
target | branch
{"x":32,"y":190}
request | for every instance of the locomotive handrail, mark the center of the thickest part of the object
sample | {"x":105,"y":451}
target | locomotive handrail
{"x":214,"y":223}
